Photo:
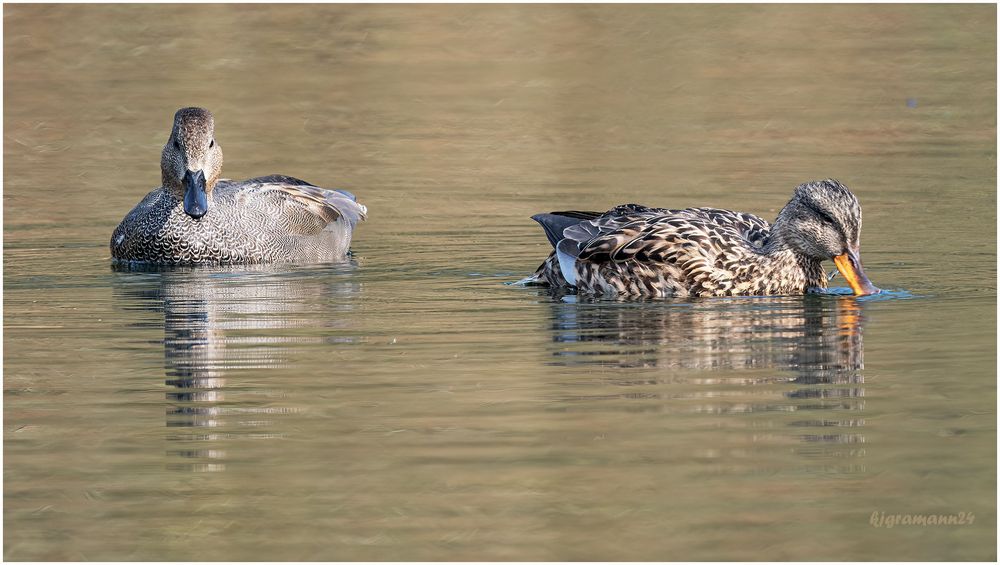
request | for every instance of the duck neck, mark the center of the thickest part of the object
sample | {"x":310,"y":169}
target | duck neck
{"x":783,"y":258}
{"x":776,"y":244}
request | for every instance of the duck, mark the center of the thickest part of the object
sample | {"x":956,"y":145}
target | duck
{"x":636,"y":251}
{"x":195,"y":217}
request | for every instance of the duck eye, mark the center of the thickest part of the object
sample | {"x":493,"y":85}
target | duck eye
{"x":822,"y":215}
{"x":211,"y":144}
{"x":827,"y":217}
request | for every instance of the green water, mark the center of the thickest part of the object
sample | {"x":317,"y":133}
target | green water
{"x":412,"y":405}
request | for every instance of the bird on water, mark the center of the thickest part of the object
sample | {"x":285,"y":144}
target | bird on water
{"x":632,"y":250}
{"x":196,"y":217}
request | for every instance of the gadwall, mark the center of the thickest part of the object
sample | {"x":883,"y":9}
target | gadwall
{"x":198,"y":218}
{"x":632,"y":250}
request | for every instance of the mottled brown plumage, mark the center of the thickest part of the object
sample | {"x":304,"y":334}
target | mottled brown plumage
{"x":632,"y":250}
{"x":195,"y":217}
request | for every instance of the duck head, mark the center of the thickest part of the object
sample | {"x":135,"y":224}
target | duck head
{"x":192,"y":161}
{"x":823,"y":221}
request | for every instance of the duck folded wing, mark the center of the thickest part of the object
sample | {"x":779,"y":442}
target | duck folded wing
{"x":661,"y":235}
{"x":308,"y":209}
{"x":605,"y":238}
{"x":583,"y":226}
{"x":329,"y":205}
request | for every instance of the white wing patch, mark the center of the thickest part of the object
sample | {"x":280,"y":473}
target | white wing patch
{"x":567,"y":262}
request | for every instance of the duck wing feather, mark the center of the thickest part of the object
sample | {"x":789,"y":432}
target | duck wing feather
{"x":698,"y":248}
{"x":308,"y":209}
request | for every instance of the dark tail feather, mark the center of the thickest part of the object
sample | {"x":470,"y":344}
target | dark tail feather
{"x":555,"y":222}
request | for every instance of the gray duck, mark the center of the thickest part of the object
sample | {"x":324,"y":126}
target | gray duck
{"x":633,"y":250}
{"x":196,"y":217}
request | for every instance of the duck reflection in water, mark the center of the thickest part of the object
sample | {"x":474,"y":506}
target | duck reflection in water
{"x":815,"y":334}
{"x":224,"y":323}
{"x":794,"y":354}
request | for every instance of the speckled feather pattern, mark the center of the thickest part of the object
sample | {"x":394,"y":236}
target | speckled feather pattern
{"x":632,"y":250}
{"x":263,"y":220}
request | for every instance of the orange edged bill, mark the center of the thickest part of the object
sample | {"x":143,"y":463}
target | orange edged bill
{"x":849,"y":265}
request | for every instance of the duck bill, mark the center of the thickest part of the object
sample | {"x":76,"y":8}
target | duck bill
{"x":849,"y":265}
{"x":195,"y":196}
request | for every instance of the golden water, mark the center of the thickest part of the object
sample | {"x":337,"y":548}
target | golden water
{"x":413,"y":405}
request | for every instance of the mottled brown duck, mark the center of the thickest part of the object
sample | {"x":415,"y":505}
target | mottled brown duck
{"x":632,"y":250}
{"x":196,"y":217}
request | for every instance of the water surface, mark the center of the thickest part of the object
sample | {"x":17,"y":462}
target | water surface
{"x":410,"y":404}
